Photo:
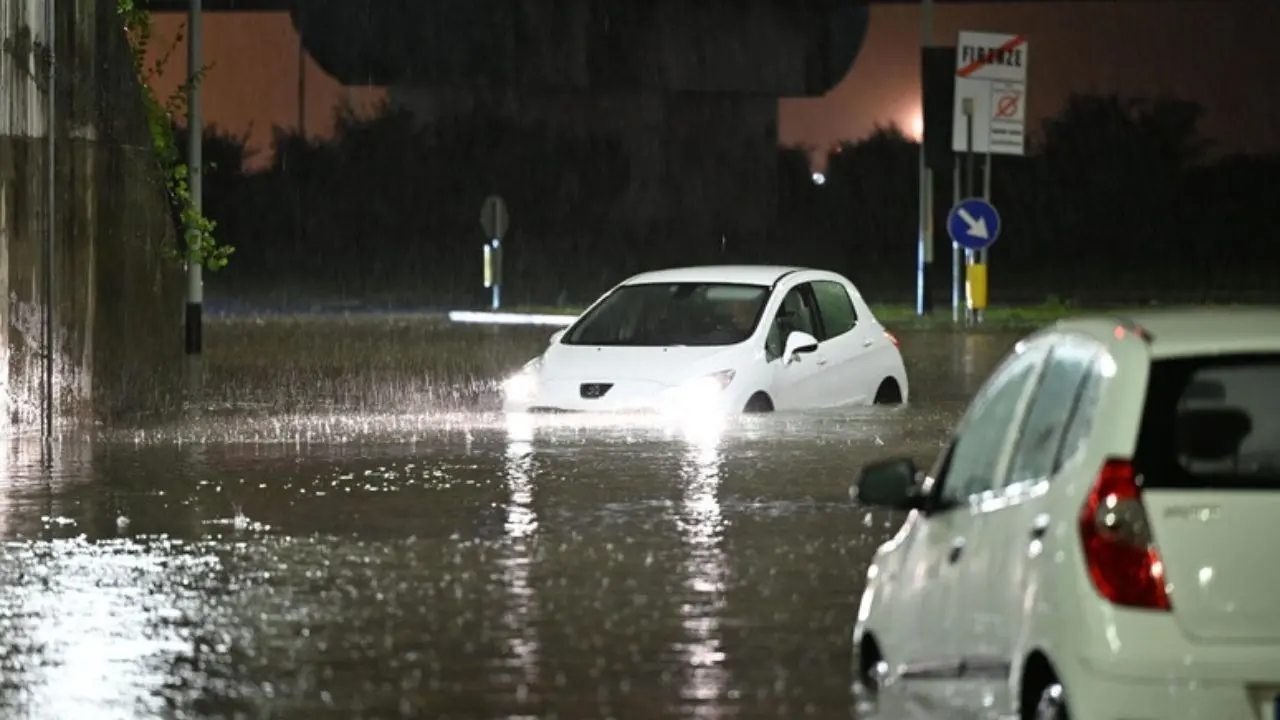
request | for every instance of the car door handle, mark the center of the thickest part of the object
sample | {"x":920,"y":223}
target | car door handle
{"x":822,"y":362}
{"x":867,"y":342}
{"x":957,"y":549}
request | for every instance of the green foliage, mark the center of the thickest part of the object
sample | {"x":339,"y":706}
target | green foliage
{"x":201,"y":246}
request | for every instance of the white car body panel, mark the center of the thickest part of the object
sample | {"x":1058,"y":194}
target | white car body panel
{"x":957,"y":639}
{"x":846,"y":369}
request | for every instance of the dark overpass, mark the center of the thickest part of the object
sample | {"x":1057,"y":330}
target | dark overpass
{"x":688,"y":87}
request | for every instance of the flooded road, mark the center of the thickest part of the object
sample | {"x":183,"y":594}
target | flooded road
{"x":342,"y":531}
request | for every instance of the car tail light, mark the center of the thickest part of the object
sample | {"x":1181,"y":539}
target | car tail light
{"x":1119,"y":550}
{"x":892,"y":338}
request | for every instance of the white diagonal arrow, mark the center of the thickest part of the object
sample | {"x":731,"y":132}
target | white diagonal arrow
{"x":977,"y":228}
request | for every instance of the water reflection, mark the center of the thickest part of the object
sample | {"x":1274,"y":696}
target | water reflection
{"x":520,"y":527}
{"x":94,"y":617}
{"x":701,"y":529}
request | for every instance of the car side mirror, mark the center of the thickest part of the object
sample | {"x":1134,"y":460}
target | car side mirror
{"x":555,"y":336}
{"x":894,"y":483}
{"x":798,"y":343}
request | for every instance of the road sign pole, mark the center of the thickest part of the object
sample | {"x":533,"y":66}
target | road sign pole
{"x":957,"y":257}
{"x":983,"y":256}
{"x":924,"y":233}
{"x":494,"y":221}
{"x":991,"y":87}
{"x":968,"y":192}
{"x":497,"y":274}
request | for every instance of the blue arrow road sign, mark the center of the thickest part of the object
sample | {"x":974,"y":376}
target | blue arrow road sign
{"x":974,"y":223}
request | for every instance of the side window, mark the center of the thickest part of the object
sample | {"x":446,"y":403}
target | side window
{"x":794,"y":314}
{"x":1081,"y":422}
{"x":1049,"y":412}
{"x":976,"y":457}
{"x":835,"y":308}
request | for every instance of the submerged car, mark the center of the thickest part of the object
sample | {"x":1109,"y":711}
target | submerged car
{"x":717,"y":338}
{"x":1096,"y":540}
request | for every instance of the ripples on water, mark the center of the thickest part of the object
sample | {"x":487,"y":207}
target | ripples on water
{"x":349,"y":565}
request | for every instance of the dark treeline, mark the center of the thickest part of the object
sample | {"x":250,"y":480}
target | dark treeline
{"x":1120,"y":200}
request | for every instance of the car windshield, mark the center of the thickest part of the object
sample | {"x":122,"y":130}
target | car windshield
{"x":1212,"y":422}
{"x":668,"y":314}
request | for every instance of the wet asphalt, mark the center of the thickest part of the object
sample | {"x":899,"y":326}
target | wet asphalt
{"x":341,"y":527}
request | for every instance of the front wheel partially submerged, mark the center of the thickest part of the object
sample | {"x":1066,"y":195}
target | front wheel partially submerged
{"x":1052,"y":704}
{"x":757,"y":404}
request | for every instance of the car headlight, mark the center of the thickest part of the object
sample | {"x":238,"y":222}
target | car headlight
{"x":700,"y":390}
{"x":523,"y":386}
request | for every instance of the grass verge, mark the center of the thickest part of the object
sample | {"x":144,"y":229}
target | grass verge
{"x":996,"y":319}
{"x":1013,"y":317}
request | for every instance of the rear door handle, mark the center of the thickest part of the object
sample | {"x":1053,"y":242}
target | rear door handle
{"x":822,"y":362}
{"x":957,"y":549}
{"x":867,"y":342}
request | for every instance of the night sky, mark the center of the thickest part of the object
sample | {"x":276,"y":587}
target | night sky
{"x":1223,"y":53}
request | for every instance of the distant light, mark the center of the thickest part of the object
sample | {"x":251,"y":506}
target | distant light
{"x":917,"y":127}
{"x":471,"y":317}
{"x":819,"y":178}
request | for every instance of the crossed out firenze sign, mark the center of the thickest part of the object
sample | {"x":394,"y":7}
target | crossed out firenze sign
{"x":991,"y":93}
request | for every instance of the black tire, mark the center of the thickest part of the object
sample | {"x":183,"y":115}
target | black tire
{"x":1052,"y":704}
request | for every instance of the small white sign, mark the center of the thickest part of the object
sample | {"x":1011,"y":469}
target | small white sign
{"x":991,"y":93}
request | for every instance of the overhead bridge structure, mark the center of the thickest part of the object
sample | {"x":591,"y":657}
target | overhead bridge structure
{"x":689,"y":89}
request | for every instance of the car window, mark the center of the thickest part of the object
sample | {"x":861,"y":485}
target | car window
{"x":979,"y":447}
{"x":1049,"y":411}
{"x":794,"y":314}
{"x":1212,"y":421}
{"x":1082,"y":414}
{"x":834,"y":307}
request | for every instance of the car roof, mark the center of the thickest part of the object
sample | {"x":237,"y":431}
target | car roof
{"x":1182,"y":332}
{"x":740,"y":274}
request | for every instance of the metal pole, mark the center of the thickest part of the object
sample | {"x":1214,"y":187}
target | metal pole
{"x":967,"y":106}
{"x":51,"y":97}
{"x":497,"y":274}
{"x":924,"y":236}
{"x":983,"y":254}
{"x":957,"y":257}
{"x":195,"y":138}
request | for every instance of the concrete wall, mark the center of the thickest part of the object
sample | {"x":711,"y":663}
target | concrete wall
{"x":118,"y":299}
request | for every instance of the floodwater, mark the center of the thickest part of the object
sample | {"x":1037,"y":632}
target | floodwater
{"x":386,"y":548}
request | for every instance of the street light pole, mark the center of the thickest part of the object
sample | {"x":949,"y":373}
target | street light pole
{"x":195,"y":138}
{"x":51,"y":222}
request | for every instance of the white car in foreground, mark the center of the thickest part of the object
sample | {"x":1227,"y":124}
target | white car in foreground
{"x":1099,"y":539}
{"x":717,"y":338}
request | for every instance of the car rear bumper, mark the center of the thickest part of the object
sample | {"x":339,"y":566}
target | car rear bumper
{"x":1094,"y":692}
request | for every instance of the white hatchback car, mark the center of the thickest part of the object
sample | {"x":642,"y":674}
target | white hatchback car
{"x":1099,"y":539}
{"x":717,"y":338}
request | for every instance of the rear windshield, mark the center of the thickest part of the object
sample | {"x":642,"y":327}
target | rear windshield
{"x":1212,"y":422}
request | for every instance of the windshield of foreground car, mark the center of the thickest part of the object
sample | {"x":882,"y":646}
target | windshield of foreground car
{"x":1212,"y":422}
{"x":668,"y":314}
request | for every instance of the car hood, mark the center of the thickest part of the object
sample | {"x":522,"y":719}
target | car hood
{"x":667,"y":365}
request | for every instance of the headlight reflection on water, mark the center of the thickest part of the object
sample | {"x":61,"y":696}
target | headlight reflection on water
{"x":702,"y":529}
{"x":521,"y":528}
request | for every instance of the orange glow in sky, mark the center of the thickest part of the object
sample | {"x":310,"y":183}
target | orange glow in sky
{"x":1085,"y":47}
